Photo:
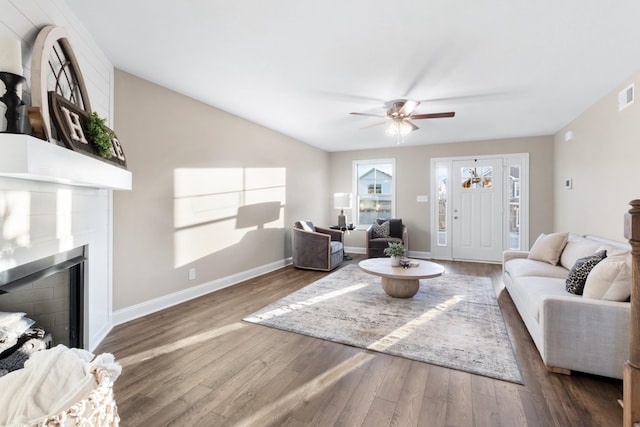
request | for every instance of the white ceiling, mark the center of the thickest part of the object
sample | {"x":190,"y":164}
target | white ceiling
{"x":507,"y":68}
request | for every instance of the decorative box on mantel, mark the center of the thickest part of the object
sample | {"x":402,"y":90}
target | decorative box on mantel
{"x":26,"y":157}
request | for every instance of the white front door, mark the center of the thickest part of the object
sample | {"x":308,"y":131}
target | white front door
{"x":477,"y":209}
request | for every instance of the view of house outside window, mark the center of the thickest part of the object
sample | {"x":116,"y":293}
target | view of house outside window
{"x":375,"y":188}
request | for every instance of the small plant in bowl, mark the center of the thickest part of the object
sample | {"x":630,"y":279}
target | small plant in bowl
{"x":395,"y":251}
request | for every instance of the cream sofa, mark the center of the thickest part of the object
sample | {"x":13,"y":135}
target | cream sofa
{"x":587,"y":333}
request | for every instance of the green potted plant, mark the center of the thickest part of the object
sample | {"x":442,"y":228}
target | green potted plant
{"x":395,"y":251}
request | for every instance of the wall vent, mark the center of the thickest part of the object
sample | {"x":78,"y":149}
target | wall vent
{"x":625,"y":97}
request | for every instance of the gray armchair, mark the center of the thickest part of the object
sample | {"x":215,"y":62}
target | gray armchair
{"x":316,"y":248}
{"x":377,"y":238}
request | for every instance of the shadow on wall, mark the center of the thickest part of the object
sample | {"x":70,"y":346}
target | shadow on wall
{"x":217,"y":208}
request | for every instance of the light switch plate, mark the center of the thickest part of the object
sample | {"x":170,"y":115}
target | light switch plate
{"x":422,"y":199}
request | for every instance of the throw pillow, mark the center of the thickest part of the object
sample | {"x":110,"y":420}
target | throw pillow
{"x":380,"y":230}
{"x":577,"y":247}
{"x":580,"y":271}
{"x":610,"y":280}
{"x":307,"y":225}
{"x":548,"y":247}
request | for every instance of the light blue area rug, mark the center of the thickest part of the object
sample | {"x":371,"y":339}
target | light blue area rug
{"x":453,"y":321}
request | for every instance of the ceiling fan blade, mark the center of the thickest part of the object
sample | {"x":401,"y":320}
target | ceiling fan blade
{"x":432,"y":115}
{"x":373,"y":125}
{"x":408,"y":107}
{"x":369,"y":115}
{"x":413,"y":125}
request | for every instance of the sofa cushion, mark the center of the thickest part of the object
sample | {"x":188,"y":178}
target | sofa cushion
{"x":578,"y":274}
{"x":577,"y":247}
{"x":532,"y":291}
{"x":610,"y":279}
{"x":336,"y":247}
{"x":383,"y":243}
{"x":380,"y":230}
{"x":522,"y":267}
{"x":548,"y":247}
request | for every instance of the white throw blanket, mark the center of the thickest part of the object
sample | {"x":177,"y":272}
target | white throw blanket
{"x":51,"y":381}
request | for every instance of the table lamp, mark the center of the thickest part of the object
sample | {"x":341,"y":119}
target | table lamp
{"x":342,"y":201}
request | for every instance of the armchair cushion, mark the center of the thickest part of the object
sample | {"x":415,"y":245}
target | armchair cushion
{"x":306,"y":225}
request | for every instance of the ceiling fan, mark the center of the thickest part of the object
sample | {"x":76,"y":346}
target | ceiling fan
{"x":399,"y":111}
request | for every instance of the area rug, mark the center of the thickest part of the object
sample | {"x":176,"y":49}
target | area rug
{"x":453,"y":321}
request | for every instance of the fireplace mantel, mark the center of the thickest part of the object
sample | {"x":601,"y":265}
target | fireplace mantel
{"x":26,"y":157}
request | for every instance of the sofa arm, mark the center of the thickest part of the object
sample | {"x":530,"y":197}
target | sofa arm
{"x":585,"y":335}
{"x":311,"y":249}
{"x":509,"y":255}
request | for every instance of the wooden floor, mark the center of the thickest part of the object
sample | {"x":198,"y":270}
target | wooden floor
{"x":198,"y":364}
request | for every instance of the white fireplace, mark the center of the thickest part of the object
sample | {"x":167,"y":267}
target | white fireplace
{"x":53,"y":200}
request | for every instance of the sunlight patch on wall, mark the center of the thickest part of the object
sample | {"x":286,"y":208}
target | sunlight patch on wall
{"x":215,"y":208}
{"x":15,"y":215}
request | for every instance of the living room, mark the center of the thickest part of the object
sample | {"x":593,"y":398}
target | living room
{"x":178,"y":149}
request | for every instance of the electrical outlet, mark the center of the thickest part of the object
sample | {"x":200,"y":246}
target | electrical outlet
{"x":192,"y":273}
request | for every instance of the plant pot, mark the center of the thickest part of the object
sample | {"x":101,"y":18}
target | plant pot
{"x":395,"y":261}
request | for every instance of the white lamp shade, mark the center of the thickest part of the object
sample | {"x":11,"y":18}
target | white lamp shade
{"x":342,"y":200}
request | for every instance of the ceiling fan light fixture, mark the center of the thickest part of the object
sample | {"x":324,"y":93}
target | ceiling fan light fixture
{"x":398,"y":126}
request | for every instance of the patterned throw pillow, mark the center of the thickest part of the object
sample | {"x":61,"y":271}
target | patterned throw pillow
{"x":380,"y":230}
{"x":578,"y":274}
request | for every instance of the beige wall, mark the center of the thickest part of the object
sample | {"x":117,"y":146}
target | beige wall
{"x":413,"y":164}
{"x":181,"y":216}
{"x":602,"y":161}
{"x":206,"y":187}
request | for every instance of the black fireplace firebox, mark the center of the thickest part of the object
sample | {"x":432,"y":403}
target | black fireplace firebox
{"x":51,"y":292}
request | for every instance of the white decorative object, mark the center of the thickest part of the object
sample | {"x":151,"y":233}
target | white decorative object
{"x":342,"y":201}
{"x":395,"y":261}
{"x":10,"y":55}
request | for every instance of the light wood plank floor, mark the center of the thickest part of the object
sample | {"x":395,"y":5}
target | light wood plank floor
{"x":198,"y":364}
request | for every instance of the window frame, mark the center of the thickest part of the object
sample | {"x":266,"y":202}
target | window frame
{"x":355,"y":213}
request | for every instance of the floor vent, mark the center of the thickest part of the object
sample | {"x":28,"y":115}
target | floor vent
{"x":625,"y":97}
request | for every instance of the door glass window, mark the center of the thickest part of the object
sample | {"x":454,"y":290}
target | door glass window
{"x":514,"y":207}
{"x":442,"y":174}
{"x":477,"y":177}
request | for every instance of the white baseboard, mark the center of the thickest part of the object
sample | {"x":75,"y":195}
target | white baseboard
{"x":420,"y":255}
{"x":135,"y":311}
{"x":97,"y":338}
{"x":355,"y":250}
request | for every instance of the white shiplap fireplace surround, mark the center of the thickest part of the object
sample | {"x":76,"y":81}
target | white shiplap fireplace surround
{"x":52,"y":200}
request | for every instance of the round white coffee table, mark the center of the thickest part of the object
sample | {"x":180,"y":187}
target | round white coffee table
{"x":401,"y":282}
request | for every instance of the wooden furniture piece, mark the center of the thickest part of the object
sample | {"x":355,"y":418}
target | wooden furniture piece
{"x":399,"y":282}
{"x":631,"y":373}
